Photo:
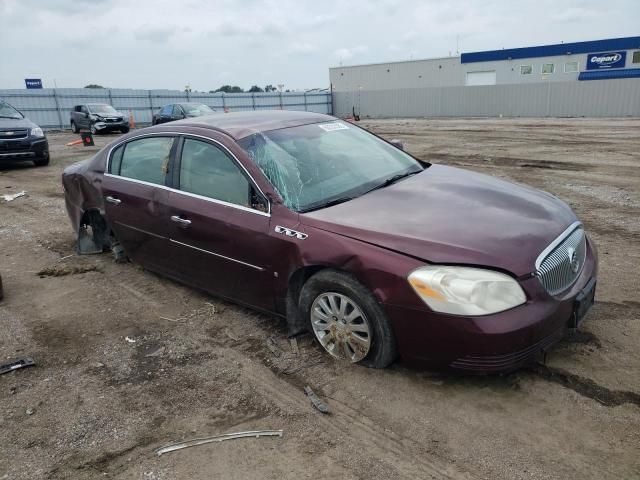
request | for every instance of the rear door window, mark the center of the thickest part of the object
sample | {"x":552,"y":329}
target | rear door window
{"x":166,"y":110}
{"x":208,"y":171}
{"x":177,"y":111}
{"x":146,"y":159}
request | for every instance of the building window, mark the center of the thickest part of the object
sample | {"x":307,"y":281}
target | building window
{"x":636,"y":57}
{"x":570,"y":67}
{"x":547,"y":68}
{"x":526,"y":69}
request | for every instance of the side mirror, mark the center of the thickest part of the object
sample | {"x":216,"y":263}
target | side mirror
{"x":397,"y":143}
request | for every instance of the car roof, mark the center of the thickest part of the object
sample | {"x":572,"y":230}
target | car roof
{"x":241,"y":124}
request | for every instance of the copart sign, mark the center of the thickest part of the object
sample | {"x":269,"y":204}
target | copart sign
{"x":597,"y":61}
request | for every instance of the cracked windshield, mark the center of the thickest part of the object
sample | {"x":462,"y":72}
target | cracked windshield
{"x":315,"y":165}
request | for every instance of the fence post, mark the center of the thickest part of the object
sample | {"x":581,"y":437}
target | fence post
{"x":110,"y":98}
{"x":55,"y":99}
{"x":305,"y":101}
{"x":188,"y":99}
{"x":150,"y":104}
{"x":253,"y":100}
{"x":331,"y":98}
{"x":224,"y":104}
{"x":280,"y":100}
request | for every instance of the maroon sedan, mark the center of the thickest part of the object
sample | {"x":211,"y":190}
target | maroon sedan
{"x":343,"y":234}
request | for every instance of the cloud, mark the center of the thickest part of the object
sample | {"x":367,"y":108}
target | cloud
{"x":272,"y":41}
{"x":345,"y":53}
{"x":154,"y":34}
{"x":302,"y":49}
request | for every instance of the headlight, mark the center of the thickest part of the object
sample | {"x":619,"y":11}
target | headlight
{"x":466,"y":291}
{"x":37,"y":132}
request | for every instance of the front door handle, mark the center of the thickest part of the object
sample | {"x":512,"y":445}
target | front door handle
{"x":182,"y":221}
{"x":115,"y":201}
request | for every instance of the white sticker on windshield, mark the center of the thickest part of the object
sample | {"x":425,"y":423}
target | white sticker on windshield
{"x":330,"y":127}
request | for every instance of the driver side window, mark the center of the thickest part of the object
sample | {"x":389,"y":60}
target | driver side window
{"x":208,"y":171}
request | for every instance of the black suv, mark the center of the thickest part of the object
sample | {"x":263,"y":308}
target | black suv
{"x":178,"y":111}
{"x":20,"y":138}
{"x":99,"y":118}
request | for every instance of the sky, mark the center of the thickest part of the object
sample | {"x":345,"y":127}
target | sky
{"x":157,"y":44}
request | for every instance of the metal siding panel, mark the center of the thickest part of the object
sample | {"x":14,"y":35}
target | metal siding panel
{"x":40,"y":105}
{"x":593,"y":46}
{"x":614,"y":98}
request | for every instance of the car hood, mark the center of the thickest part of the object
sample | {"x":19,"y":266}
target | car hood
{"x":6,"y":123}
{"x":450,"y":215}
{"x":109,"y":115}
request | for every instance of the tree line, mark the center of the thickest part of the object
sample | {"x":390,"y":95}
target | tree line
{"x":223,"y":88}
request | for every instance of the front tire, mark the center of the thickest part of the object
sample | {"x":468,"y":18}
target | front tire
{"x":41,"y":162}
{"x":347,"y":320}
{"x":74,"y":127}
{"x":125,"y":130}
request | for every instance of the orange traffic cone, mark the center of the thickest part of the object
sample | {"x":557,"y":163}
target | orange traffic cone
{"x":132,"y":122}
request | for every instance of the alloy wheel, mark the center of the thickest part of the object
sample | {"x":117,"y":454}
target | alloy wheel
{"x":341,"y":326}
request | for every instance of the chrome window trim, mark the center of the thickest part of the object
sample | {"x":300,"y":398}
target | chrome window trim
{"x":217,"y":255}
{"x":189,"y":194}
{"x":221,"y":202}
{"x":556,"y":242}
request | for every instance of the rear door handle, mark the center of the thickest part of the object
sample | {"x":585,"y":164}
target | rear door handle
{"x":182,"y":221}
{"x":114,"y":200}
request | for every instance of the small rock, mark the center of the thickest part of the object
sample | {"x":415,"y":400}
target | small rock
{"x":30,"y":411}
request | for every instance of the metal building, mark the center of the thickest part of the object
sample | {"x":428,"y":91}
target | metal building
{"x":595,"y":78}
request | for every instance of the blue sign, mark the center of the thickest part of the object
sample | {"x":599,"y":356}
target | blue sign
{"x":598,"y":61}
{"x":33,"y":82}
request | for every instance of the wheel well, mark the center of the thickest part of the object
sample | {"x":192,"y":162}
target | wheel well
{"x":94,"y":235}
{"x":295,"y":321}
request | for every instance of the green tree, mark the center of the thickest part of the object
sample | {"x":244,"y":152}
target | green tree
{"x":229,"y":89}
{"x":270,"y":88}
{"x":256,"y":89}
{"x":93,"y":85}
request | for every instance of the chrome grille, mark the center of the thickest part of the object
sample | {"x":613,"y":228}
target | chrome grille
{"x":14,"y":134}
{"x":561,"y":263}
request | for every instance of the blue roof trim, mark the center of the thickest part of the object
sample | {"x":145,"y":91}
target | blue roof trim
{"x":593,"y":46}
{"x":607,"y":74}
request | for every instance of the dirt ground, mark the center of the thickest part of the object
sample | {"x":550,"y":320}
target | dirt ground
{"x":128,"y":361}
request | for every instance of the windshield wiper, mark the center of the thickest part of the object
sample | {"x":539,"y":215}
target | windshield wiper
{"x":393,"y":179}
{"x":331,"y":203}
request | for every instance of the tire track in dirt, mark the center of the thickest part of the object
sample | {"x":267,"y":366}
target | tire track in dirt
{"x":407,"y":457}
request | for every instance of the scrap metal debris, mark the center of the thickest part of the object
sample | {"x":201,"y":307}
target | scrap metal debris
{"x":130,"y":340}
{"x":21,"y":363}
{"x":8,"y":197}
{"x":315,"y":400}
{"x":294,"y":346}
{"x":217,"y":438}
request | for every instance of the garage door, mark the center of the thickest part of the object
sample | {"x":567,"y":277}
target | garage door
{"x":481,"y":78}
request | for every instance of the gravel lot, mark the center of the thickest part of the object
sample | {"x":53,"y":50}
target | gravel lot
{"x":128,"y":361}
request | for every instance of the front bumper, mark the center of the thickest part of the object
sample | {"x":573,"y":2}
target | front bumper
{"x":30,"y":148}
{"x":110,"y":126}
{"x":493,"y":343}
